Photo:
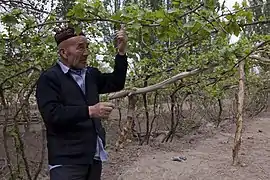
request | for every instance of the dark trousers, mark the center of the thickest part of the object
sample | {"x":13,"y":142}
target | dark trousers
{"x":77,"y":172}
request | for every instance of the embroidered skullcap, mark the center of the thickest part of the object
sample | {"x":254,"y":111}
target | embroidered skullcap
{"x":65,"y":33}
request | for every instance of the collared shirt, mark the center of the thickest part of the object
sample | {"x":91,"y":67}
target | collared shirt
{"x":79,"y":77}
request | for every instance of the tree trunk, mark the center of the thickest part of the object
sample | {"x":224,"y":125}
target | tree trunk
{"x":125,"y":134}
{"x":239,"y":121}
{"x":6,"y":135}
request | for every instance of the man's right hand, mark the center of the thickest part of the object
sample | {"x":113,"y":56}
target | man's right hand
{"x":101,"y":110}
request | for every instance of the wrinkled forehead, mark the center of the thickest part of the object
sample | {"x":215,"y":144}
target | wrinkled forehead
{"x":79,"y":40}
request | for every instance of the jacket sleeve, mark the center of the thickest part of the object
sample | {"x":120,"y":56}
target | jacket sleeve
{"x":50,"y":106}
{"x":115,"y":81}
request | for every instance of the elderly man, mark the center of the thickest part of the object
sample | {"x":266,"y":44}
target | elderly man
{"x":68,"y":100}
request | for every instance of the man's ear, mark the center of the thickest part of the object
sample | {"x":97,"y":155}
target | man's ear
{"x":62,"y":53}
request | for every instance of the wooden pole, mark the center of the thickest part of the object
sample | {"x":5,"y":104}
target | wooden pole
{"x":239,"y":121}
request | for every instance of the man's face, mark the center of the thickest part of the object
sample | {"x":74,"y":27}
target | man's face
{"x":75,"y":52}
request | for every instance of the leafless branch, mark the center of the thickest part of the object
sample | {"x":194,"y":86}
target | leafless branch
{"x":244,"y":9}
{"x":261,"y":59}
{"x":17,"y":74}
{"x":246,"y":56}
{"x":21,"y":144}
{"x":191,"y":11}
{"x":256,"y":22}
{"x":253,"y":50}
{"x":155,"y":86}
{"x":5,"y":164}
{"x":22,"y":4}
{"x":5,"y":135}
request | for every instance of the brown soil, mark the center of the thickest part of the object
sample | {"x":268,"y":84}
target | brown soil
{"x":209,"y":156}
{"x":208,"y":152}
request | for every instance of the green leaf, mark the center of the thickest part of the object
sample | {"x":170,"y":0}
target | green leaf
{"x":235,"y":28}
{"x":116,"y":16}
{"x":79,"y":11}
{"x":197,"y":26}
{"x":249,"y":16}
{"x":236,"y":6}
{"x":175,"y":2}
{"x":136,"y":26}
{"x":210,"y":4}
{"x":9,"y":19}
{"x":244,"y":3}
{"x":159,"y":14}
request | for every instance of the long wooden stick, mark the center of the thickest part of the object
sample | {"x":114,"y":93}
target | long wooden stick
{"x":239,"y":122}
{"x":155,"y":87}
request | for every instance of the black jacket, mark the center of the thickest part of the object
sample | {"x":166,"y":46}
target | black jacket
{"x":71,"y":134}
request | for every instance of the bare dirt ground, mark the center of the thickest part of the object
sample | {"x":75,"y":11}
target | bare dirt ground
{"x":209,"y":156}
{"x":208,"y":151}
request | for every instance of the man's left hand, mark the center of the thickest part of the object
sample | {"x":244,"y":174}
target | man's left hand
{"x":122,"y":41}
